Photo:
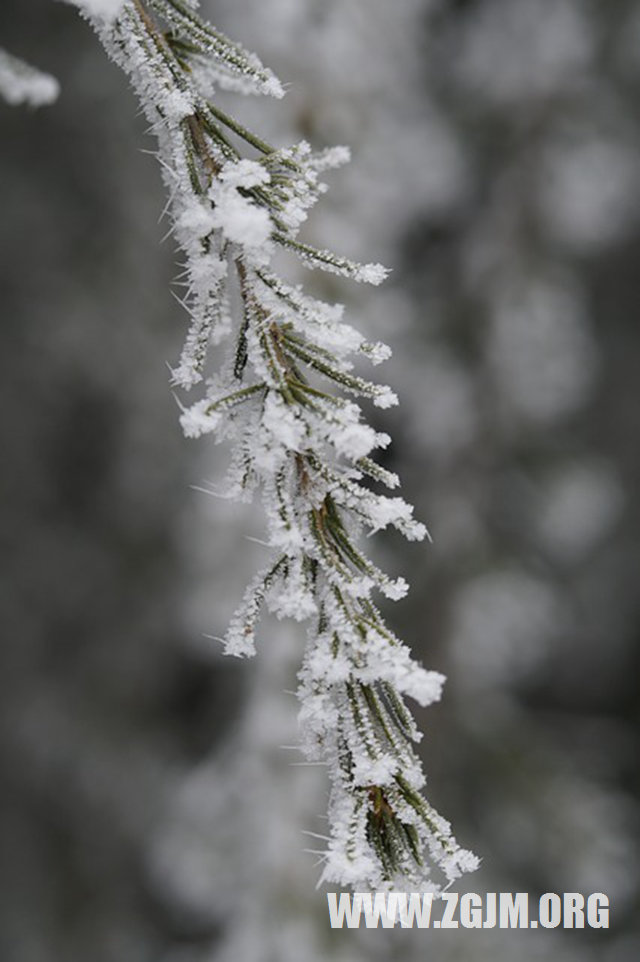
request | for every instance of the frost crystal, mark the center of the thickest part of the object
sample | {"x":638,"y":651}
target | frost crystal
{"x":106,"y":9}
{"x":285,"y":394}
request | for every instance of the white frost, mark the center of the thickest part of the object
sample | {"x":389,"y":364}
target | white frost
{"x":283,"y":392}
{"x":105,"y":9}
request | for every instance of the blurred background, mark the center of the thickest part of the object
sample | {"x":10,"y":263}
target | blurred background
{"x":149,"y":811}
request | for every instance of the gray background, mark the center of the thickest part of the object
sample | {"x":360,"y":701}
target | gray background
{"x":145,"y":798}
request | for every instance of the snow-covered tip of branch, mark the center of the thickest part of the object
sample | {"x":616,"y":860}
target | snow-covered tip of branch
{"x":22,"y":83}
{"x":197,"y":37}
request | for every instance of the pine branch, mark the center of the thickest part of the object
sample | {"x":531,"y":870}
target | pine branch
{"x":305,"y":446}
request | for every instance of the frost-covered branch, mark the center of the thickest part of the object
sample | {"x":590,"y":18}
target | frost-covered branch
{"x":283,"y":390}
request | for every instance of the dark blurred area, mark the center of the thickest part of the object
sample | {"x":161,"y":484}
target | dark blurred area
{"x":99,"y":700}
{"x":501,"y":142}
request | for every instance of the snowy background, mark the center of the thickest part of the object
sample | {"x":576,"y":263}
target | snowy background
{"x":148,"y":811}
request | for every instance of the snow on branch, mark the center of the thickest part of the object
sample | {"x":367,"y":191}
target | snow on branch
{"x":284,"y":392}
{"x":22,"y":83}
